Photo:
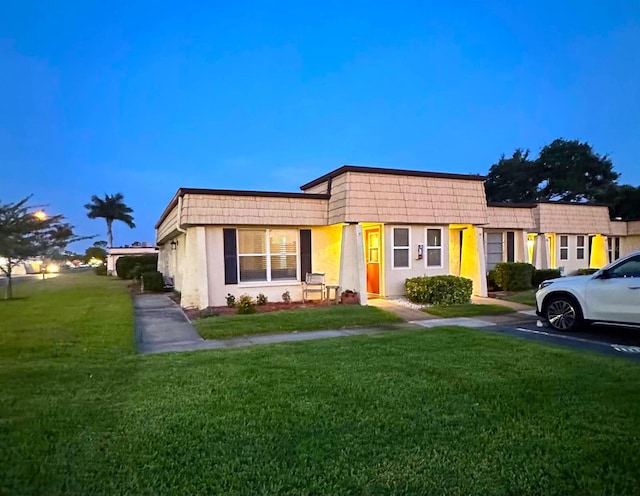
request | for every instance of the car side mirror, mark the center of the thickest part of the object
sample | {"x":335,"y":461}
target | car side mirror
{"x":604,"y":275}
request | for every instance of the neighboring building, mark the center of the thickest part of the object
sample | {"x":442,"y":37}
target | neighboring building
{"x":367,"y":229}
{"x":113,"y":254}
{"x":567,"y":236}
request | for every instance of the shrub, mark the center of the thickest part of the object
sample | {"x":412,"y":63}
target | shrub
{"x":513,"y":276}
{"x":126,"y":266}
{"x":439,"y":290}
{"x":586,"y":272}
{"x":261,"y":299}
{"x":540,"y":275}
{"x":286,"y":297}
{"x":246,"y":305}
{"x":231,"y":300}
{"x":100,"y":270}
{"x":491,"y":281}
{"x":153,"y":281}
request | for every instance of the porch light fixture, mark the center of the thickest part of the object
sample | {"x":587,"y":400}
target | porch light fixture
{"x":174,"y":244}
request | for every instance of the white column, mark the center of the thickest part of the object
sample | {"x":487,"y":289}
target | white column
{"x":540,"y":252}
{"x":352,"y":267}
{"x":195,"y":285}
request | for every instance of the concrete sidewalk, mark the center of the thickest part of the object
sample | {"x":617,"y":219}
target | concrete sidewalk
{"x":161,"y":326}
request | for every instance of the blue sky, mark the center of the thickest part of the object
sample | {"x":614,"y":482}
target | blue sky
{"x":145,"y":97}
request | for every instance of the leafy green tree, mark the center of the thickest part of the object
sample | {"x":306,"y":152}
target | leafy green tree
{"x":513,"y":179}
{"x":565,"y":170}
{"x":572,"y":171}
{"x":25,"y":233}
{"x":110,"y":208}
{"x":623,"y":201}
{"x":95,"y":252}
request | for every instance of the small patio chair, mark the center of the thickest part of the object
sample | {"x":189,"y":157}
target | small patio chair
{"x":313,"y":283}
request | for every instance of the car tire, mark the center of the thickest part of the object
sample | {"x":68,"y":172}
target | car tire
{"x":563,"y":313}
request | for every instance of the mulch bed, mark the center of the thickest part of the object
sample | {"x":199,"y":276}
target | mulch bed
{"x":193,"y":313}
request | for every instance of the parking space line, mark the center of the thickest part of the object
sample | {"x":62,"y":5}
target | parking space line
{"x":617,"y":347}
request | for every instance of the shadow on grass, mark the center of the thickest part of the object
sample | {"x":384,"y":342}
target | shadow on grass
{"x":15,"y":298}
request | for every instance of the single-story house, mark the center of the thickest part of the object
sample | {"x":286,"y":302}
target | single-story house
{"x":114,"y":253}
{"x":367,"y":229}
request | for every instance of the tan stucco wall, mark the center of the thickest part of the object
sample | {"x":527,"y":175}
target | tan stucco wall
{"x":385,"y":198}
{"x":510,"y":218}
{"x":571,"y":219}
{"x":395,"y":278}
{"x":168,"y":226}
{"x":253,"y":210}
{"x":629,"y":244}
{"x":572,"y":263}
{"x":325,"y":242}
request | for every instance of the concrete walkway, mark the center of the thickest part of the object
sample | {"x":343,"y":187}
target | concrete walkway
{"x":161,"y":326}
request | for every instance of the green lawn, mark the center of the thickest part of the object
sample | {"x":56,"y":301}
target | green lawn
{"x":308,"y":319}
{"x":438,"y":411}
{"x":526,"y":297}
{"x":467,"y":310}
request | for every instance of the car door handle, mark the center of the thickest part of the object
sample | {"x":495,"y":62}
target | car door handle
{"x":633,"y":287}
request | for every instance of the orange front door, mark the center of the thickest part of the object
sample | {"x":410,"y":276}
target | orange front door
{"x":373,"y":255}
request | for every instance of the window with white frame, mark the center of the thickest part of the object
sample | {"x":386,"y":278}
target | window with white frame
{"x":580,"y":247}
{"x":266,"y":255}
{"x":564,"y":247}
{"x":613,"y":245}
{"x":494,"y":249}
{"x":434,"y":247}
{"x":401,"y":245}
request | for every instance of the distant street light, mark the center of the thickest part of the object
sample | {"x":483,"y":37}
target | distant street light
{"x":40,"y":215}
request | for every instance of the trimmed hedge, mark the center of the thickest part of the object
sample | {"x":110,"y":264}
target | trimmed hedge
{"x":439,"y":290}
{"x":540,"y":275}
{"x":134,"y":266}
{"x":153,"y":281}
{"x":100,"y":270}
{"x":513,"y":276}
{"x":586,"y":272}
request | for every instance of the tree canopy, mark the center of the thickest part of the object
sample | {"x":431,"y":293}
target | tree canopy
{"x":26,"y":233}
{"x":110,"y":208}
{"x":565,"y":170}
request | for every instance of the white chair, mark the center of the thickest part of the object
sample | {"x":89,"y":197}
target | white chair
{"x":313,"y":283}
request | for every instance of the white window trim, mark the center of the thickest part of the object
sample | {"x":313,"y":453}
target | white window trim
{"x":581,"y":247}
{"x":394,"y":247}
{"x":268,"y":255}
{"x":426,"y":248}
{"x":560,"y":247}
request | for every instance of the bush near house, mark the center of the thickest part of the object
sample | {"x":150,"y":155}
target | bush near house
{"x":540,"y":275}
{"x":153,"y":281}
{"x":439,"y":290}
{"x":513,"y":276}
{"x":100,"y":270}
{"x":586,"y":272}
{"x":132,"y":267}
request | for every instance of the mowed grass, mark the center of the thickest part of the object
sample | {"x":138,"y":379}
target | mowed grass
{"x":308,"y":319}
{"x":526,"y":297}
{"x":438,"y":411}
{"x":467,"y":310}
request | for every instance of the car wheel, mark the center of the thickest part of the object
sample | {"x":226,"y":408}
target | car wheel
{"x":563,"y":313}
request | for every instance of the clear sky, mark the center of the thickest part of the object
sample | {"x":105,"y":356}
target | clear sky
{"x":145,"y":97}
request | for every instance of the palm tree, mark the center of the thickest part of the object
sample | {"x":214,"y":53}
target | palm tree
{"x":110,"y":208}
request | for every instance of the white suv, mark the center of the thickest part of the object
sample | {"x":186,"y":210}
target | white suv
{"x":610,"y":296}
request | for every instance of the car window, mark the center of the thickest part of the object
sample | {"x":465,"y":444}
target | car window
{"x":628,"y":268}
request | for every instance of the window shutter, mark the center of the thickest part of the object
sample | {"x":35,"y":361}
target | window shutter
{"x":305,"y":252}
{"x":230,"y":256}
{"x":510,"y":246}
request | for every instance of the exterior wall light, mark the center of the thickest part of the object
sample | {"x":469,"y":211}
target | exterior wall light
{"x":174,"y":244}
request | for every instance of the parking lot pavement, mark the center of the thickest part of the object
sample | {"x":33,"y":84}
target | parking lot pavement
{"x":621,"y":342}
